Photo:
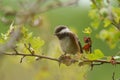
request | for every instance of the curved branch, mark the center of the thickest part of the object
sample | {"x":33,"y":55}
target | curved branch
{"x":58,"y":60}
{"x":67,"y":60}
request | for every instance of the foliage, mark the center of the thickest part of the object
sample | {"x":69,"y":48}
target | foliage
{"x":97,"y":54}
{"x":27,"y":40}
{"x":105,"y":18}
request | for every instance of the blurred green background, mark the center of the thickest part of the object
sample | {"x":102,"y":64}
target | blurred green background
{"x":76,"y":17}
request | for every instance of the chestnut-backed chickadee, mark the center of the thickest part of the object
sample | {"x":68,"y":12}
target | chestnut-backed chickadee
{"x":68,"y":40}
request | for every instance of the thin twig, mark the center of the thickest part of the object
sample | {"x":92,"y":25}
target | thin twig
{"x":21,"y":60}
{"x":95,"y":64}
{"x":29,"y":48}
{"x":16,"y":52}
{"x":30,"y":55}
{"x":113,"y":76}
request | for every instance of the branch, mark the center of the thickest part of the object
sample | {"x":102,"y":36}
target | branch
{"x":101,"y":61}
{"x":26,"y":13}
{"x":65,"y":59}
{"x":94,"y":62}
{"x":31,"y":55}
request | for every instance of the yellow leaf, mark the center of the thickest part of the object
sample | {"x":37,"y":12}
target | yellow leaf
{"x":87,"y":30}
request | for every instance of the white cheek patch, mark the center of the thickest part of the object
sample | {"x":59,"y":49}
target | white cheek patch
{"x":65,"y":30}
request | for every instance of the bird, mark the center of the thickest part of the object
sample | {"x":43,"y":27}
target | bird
{"x":68,"y":40}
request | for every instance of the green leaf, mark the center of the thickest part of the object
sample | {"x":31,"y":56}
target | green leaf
{"x":96,"y":55}
{"x":117,"y":19}
{"x":4,"y":36}
{"x":93,"y":14}
{"x":107,"y":22}
{"x":28,"y":38}
{"x":117,"y":11}
{"x":95,"y":24}
{"x":24,"y":32}
{"x":91,"y":56}
{"x":104,"y":34}
{"x":117,"y":36}
{"x":87,"y":30}
{"x":36,"y":44}
{"x":93,"y":6}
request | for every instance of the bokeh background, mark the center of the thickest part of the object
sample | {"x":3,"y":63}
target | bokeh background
{"x":76,"y":18}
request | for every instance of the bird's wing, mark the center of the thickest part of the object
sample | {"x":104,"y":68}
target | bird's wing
{"x":76,"y":41}
{"x":81,"y":50}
